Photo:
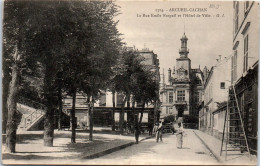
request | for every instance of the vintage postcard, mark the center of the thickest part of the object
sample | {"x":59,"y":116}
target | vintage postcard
{"x":130,"y":82}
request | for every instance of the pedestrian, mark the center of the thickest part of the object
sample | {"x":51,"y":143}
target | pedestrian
{"x":179,"y":135}
{"x":137,"y":133}
{"x":150,"y":128}
{"x":173,"y":128}
{"x":158,"y":130}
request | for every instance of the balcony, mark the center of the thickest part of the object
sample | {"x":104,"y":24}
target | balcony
{"x":177,"y":102}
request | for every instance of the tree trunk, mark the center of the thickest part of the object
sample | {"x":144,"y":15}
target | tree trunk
{"x":13,"y":115}
{"x":142,"y":113}
{"x":73,"y":118}
{"x":155,"y":113}
{"x":121,"y":118}
{"x":49,"y":96}
{"x":113,"y":111}
{"x":6,"y":82}
{"x":136,"y":126}
{"x":49,"y":127}
{"x":91,"y":110}
{"x":128,"y":126}
{"x":89,"y":115}
{"x":60,"y":109}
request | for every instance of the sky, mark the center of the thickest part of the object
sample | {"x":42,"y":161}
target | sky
{"x":208,"y":37}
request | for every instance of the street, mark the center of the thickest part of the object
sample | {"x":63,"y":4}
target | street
{"x":150,"y":152}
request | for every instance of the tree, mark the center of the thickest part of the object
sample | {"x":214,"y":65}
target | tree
{"x":135,"y":82}
{"x":123,"y":82}
{"x":13,"y":115}
{"x":169,"y":118}
{"x":114,"y":83}
{"x":41,"y":30}
{"x":145,"y":91}
{"x":92,"y":62}
{"x":13,"y":39}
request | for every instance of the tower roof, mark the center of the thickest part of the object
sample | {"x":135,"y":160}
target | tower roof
{"x":184,"y":37}
{"x":184,"y":51}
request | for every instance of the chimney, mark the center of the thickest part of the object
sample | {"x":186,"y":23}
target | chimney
{"x":169,"y":74}
{"x":219,"y":57}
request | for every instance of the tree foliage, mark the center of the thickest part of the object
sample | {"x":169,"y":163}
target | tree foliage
{"x":136,"y":81}
{"x":76,"y":38}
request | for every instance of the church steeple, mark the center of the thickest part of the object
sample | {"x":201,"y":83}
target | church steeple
{"x":184,"y":51}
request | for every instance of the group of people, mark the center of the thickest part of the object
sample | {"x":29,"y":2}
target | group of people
{"x":158,"y":130}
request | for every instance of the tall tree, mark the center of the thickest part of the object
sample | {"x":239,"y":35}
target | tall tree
{"x":99,"y":42}
{"x":40,"y":30}
{"x":146,"y":92}
{"x":13,"y":39}
{"x":123,"y":82}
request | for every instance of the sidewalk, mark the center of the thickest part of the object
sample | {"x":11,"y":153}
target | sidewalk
{"x":30,"y":149}
{"x":214,"y":145}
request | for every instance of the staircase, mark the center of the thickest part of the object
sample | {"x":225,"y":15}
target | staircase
{"x":33,"y":112}
{"x":233,"y":132}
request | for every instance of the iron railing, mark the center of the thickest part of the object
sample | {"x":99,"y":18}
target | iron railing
{"x":39,"y":110}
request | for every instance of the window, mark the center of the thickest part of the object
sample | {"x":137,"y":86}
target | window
{"x":181,"y":95}
{"x":222,"y":85}
{"x":139,"y":104}
{"x":198,"y":81}
{"x":245,"y":54}
{"x":246,"y":7}
{"x":119,"y":99}
{"x":235,"y":65}
{"x":236,"y":16}
{"x":197,"y":97}
{"x":170,"y":97}
{"x":232,"y":69}
{"x":102,"y":100}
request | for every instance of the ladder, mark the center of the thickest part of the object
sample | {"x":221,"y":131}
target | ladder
{"x":233,"y":132}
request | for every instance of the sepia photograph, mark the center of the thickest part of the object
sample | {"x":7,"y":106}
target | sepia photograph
{"x":130,"y":82}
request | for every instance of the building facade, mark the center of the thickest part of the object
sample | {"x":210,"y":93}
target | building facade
{"x":215,"y":97}
{"x":181,"y":95}
{"x":243,"y":77}
{"x":102,"y":115}
{"x":244,"y":68}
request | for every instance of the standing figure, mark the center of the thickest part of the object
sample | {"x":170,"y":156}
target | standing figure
{"x":158,"y":130}
{"x":150,"y":128}
{"x":173,"y":128}
{"x":179,"y":135}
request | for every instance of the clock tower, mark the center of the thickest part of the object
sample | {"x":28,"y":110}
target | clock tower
{"x":182,"y":95}
{"x":181,"y":84}
{"x":183,"y":62}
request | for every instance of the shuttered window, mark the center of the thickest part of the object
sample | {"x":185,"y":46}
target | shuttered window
{"x":236,"y":15}
{"x":245,"y":53}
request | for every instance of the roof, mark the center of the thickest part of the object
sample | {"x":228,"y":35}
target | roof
{"x":184,"y":37}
